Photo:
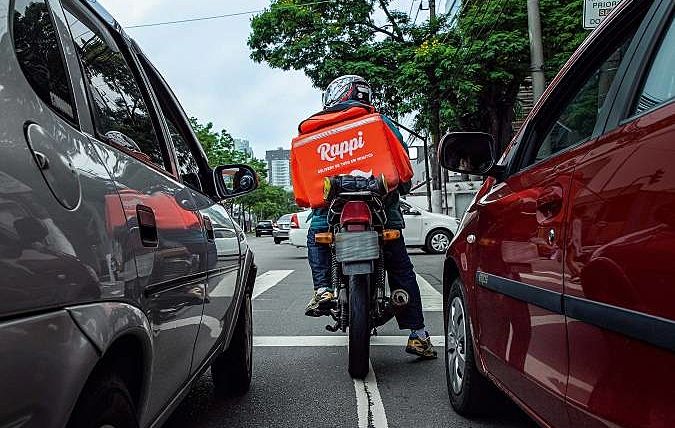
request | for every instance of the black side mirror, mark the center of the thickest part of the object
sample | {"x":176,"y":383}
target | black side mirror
{"x":467,"y":152}
{"x":234,"y":180}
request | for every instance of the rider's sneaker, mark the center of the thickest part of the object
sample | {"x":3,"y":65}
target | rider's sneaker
{"x":421,"y":347}
{"x":321,"y":302}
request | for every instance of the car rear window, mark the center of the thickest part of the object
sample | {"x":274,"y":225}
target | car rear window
{"x":285,"y":218}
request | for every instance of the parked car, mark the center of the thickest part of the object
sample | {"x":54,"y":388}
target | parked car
{"x":300,"y":223}
{"x":559,"y":285}
{"x":264,"y":227}
{"x":281,"y":229}
{"x":116,"y":294}
{"x":431,"y":232}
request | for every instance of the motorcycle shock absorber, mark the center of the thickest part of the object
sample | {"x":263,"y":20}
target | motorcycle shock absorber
{"x":381,"y":278}
{"x":341,"y":312}
{"x":343,"y":298}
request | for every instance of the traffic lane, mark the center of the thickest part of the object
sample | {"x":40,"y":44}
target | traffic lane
{"x":313,"y":372}
{"x":309,"y":386}
{"x":414,"y":393}
{"x":269,"y":256}
{"x":280,"y":311}
{"x":291,"y":387}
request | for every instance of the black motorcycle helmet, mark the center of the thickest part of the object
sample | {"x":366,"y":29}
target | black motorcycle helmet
{"x":347,"y":88}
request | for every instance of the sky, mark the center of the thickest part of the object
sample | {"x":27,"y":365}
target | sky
{"x":207,"y":64}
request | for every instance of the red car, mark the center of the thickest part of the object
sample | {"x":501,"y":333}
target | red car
{"x":560,"y":285}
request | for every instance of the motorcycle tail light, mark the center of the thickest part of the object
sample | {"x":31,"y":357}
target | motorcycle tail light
{"x":295,"y":224}
{"x":356,"y":212}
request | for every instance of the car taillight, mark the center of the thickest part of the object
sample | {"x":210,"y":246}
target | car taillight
{"x":295,"y":224}
{"x":356,"y":212}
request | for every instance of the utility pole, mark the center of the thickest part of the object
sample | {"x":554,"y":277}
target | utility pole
{"x":435,"y":122}
{"x":536,"y":49}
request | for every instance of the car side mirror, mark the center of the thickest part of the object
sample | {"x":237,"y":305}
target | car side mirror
{"x":467,"y":152}
{"x":234,"y":180}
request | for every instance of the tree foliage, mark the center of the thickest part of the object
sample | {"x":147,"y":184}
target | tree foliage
{"x":267,"y":201}
{"x":461,"y":73}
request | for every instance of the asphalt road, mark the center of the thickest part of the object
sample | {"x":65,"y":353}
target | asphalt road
{"x":300,"y":377}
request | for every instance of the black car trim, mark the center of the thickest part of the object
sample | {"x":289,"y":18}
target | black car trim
{"x":648,"y":328}
{"x":543,"y":298}
{"x":224,"y":270}
{"x":637,"y":325}
{"x":174,"y":283}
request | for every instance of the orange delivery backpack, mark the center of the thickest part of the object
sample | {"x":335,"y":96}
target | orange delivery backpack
{"x":355,"y":141}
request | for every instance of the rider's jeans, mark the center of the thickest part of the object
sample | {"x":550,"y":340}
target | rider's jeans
{"x":400,"y":274}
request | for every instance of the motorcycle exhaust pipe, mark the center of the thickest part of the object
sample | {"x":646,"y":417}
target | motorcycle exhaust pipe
{"x":399,"y":298}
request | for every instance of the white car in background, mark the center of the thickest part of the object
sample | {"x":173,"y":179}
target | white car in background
{"x":299,"y":227}
{"x":429,"y":231}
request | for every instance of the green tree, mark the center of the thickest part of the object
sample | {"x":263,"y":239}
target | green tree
{"x":462,"y":73}
{"x":267,"y":201}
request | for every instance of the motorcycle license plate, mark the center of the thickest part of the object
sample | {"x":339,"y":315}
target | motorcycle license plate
{"x":357,"y":246}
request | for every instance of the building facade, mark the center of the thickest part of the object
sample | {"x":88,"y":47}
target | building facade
{"x":279,"y":167}
{"x":244,"y":146}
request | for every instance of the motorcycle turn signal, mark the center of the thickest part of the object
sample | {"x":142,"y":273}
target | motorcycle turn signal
{"x":324,"y":238}
{"x":391,"y":234}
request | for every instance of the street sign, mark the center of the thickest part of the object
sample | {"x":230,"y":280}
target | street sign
{"x":597,"y":10}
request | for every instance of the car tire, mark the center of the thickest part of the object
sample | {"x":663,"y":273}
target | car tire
{"x":277,"y":241}
{"x":257,"y":235}
{"x":233,"y":369}
{"x":471,"y":394}
{"x":105,"y":401}
{"x":437,"y":242}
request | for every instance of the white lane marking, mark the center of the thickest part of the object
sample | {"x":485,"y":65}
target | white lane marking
{"x":268,"y":280}
{"x":331,"y":341}
{"x":369,"y":406}
{"x":432,"y":299}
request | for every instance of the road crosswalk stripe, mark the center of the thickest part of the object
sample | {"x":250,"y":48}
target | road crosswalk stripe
{"x":268,"y":280}
{"x":369,"y":406}
{"x":333,"y":341}
{"x":432,"y":299}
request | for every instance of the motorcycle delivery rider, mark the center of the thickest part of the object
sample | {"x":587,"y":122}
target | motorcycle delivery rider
{"x":350,"y":97}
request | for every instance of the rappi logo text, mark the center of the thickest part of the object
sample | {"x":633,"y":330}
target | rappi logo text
{"x":329,"y":152}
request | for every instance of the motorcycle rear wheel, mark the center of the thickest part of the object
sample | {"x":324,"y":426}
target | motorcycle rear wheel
{"x":359,"y":326}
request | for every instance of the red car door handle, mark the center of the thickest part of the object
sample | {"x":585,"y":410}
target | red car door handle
{"x":549,"y":203}
{"x":147,"y":226}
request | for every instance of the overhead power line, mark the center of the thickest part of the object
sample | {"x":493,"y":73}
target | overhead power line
{"x":226,"y":15}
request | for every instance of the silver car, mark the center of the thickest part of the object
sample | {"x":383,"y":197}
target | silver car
{"x":115,"y":294}
{"x":283,"y":226}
